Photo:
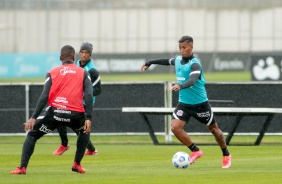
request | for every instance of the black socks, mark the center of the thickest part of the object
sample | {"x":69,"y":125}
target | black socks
{"x":193,"y":147}
{"x":225,"y":152}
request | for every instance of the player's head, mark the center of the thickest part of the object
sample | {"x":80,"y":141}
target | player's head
{"x":187,"y":39}
{"x":185,"y":46}
{"x":67,"y":53}
{"x":85,"y":52}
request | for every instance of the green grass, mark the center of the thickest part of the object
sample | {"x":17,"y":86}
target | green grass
{"x":145,"y":139}
{"x":215,"y":76}
{"x":139,"y":163}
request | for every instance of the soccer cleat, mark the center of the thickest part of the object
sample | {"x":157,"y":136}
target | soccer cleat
{"x":226,"y":161}
{"x":78,"y":168}
{"x":19,"y":171}
{"x":61,"y":150}
{"x":195,"y":155}
{"x":89,"y":152}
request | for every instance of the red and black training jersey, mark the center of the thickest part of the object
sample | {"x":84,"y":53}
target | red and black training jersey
{"x":67,"y":88}
{"x":64,"y":88}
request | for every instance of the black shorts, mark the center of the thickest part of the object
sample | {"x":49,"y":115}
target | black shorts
{"x":56,"y":117}
{"x":201,"y":112}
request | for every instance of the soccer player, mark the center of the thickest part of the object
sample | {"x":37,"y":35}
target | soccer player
{"x":193,"y":100}
{"x":85,"y":63}
{"x":64,"y":90}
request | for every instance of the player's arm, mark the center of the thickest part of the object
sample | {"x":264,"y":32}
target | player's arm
{"x":194,"y":75}
{"x":146,"y":65}
{"x":43,"y":99}
{"x":88,"y":91}
{"x":96,"y":81}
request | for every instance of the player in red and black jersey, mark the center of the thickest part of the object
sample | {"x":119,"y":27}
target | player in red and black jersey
{"x":86,"y":63}
{"x":64,"y":90}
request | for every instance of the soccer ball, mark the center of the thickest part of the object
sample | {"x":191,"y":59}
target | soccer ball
{"x":181,"y":160}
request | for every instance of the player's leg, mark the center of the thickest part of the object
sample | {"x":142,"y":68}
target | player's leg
{"x":77,"y":123}
{"x":28,"y":146}
{"x":41,"y":127}
{"x":177,"y":129}
{"x":91,"y":150}
{"x":82,"y":141}
{"x":205,"y":115}
{"x":180,"y":118}
{"x":219,"y":137}
{"x":183,"y":137}
{"x":62,"y":130}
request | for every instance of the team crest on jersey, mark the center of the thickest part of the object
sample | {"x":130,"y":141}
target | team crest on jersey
{"x":179,"y":113}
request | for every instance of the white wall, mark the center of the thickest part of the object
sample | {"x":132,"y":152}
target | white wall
{"x":141,"y":30}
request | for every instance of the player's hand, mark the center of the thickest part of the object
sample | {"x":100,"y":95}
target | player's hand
{"x":175,"y":87}
{"x":29,"y":124}
{"x":144,"y":67}
{"x":87,"y":126}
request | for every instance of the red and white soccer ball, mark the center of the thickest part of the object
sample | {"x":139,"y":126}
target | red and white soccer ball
{"x":181,"y":160}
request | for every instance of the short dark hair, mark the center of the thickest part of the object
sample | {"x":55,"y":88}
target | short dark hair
{"x":67,"y":52}
{"x":185,"y":39}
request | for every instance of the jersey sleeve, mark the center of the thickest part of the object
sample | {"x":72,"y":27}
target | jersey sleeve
{"x":194,"y":75}
{"x":88,"y":95}
{"x":96,"y":81}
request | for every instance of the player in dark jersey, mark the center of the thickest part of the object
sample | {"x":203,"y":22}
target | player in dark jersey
{"x":86,"y":63}
{"x":64,"y":90}
{"x":193,"y":100}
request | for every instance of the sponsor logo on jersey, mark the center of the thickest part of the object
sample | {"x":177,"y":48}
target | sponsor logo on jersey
{"x":61,"y":119}
{"x":204,"y":114}
{"x":44,"y":129}
{"x":65,"y":71}
{"x":62,"y":111}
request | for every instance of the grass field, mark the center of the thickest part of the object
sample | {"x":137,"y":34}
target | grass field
{"x":210,"y":77}
{"x":125,"y":162}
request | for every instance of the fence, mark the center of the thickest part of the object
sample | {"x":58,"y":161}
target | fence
{"x":18,"y":100}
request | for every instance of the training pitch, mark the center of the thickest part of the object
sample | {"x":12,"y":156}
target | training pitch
{"x":121,"y":163}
